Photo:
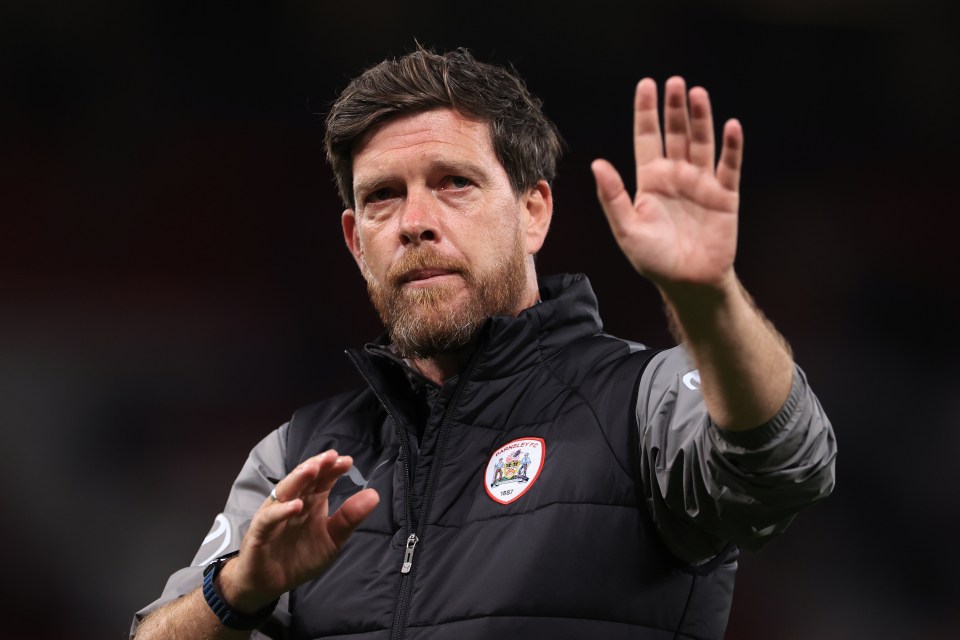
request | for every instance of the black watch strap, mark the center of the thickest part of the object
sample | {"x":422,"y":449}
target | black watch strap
{"x":228,"y":616}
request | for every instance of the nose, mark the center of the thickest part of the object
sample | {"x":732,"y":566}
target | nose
{"x":419,"y":219}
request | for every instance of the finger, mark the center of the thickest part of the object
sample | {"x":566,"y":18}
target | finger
{"x":647,"y":141}
{"x":613,"y":196}
{"x":330,"y":471}
{"x":676,"y":120}
{"x":350,"y":514}
{"x":298,"y":480}
{"x":702,"y":148}
{"x":731,"y":156}
{"x":271,"y":516}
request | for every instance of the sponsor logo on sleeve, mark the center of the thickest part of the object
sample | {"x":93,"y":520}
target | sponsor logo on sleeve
{"x":692,"y":380}
{"x":513,"y":468}
{"x":220,"y":532}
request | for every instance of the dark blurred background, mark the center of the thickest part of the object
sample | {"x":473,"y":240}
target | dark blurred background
{"x":173,"y":281}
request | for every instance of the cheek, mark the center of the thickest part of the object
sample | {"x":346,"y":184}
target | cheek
{"x":509,"y":229}
{"x":375,"y":257}
{"x":364,"y":257}
{"x":503,"y":220}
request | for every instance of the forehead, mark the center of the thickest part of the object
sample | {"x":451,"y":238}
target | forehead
{"x":438,"y":132}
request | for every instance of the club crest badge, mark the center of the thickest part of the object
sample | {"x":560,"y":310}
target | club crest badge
{"x":513,"y":468}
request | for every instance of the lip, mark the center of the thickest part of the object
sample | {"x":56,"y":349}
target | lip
{"x":426,"y":276}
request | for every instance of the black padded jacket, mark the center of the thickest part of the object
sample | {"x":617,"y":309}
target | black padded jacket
{"x":575,"y":556}
{"x":624,"y":523}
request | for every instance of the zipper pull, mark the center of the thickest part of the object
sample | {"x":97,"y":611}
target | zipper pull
{"x":408,"y":553}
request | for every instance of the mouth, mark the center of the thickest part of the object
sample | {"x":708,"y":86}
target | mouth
{"x":426,"y":276}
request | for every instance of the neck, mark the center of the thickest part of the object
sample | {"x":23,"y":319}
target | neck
{"x":442,"y":366}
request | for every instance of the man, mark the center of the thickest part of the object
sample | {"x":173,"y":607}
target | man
{"x":369,"y":514}
{"x":497,"y":472}
{"x":524,"y":465}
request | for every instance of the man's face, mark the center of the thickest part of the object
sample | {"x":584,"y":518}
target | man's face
{"x":442,"y":240}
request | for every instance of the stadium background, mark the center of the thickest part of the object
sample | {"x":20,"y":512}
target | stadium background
{"x":173,"y":281}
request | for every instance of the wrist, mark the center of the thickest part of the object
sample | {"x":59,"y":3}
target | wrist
{"x":243,"y":599}
{"x":685,"y":293}
{"x":242,"y":610}
{"x":695,"y":309}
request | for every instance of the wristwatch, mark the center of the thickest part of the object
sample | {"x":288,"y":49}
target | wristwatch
{"x":228,"y":616}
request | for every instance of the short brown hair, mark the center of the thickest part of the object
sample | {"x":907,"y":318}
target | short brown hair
{"x":525,"y":141}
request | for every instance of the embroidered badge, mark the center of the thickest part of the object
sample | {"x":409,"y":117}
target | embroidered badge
{"x":513,"y":468}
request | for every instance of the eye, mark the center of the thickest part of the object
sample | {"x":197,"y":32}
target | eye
{"x":456,"y":182}
{"x":379,"y":195}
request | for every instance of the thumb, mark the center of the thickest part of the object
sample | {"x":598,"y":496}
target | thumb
{"x":350,"y":514}
{"x":613,"y":196}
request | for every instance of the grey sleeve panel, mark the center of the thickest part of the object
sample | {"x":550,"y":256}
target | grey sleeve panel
{"x":707,"y":487}
{"x":264,"y":467}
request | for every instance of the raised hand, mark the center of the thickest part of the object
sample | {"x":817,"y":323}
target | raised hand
{"x":681,"y":227}
{"x":293,"y":539}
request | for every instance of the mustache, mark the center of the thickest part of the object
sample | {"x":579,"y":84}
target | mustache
{"x":419,"y":259}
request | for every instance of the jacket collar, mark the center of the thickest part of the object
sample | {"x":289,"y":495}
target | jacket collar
{"x":568,"y":312}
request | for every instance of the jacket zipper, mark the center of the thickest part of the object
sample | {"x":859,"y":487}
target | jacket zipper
{"x":408,"y":553}
{"x":406,"y":580}
{"x":413,"y":537}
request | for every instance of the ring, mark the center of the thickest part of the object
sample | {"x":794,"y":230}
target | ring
{"x":273,"y":495}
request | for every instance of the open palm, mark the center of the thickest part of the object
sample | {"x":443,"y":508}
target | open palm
{"x":681,"y":227}
{"x":294,"y":539}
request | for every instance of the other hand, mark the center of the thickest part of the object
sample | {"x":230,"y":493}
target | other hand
{"x":680,"y":229}
{"x":294,"y":539}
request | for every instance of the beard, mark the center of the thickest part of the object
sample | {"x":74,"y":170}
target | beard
{"x":426,"y":321}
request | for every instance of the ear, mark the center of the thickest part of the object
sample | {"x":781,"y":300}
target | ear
{"x":352,"y":236}
{"x":537,"y":211}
